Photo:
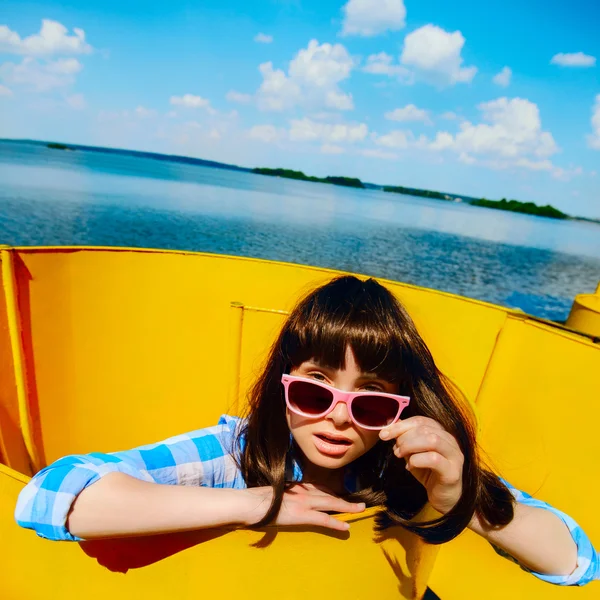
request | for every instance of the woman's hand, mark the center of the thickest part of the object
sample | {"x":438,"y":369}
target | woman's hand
{"x":432,"y":456}
{"x":303,"y":504}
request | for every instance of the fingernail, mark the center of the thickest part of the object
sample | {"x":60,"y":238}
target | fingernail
{"x":346,"y":526}
{"x":384,"y":434}
{"x":361,"y":505}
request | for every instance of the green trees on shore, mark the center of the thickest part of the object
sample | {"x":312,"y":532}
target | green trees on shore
{"x":291,"y":174}
{"x":398,"y":189}
{"x":529,"y":208}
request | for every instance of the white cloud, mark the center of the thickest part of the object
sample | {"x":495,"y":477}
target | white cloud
{"x":263,"y":38}
{"x":4,"y":91}
{"x":467,"y":159}
{"x":372,"y":17}
{"x":53,"y":38}
{"x":503,"y":78}
{"x":576,"y":59}
{"x":277,"y":91}
{"x":513,"y":130}
{"x":64,"y":66}
{"x":511,"y":136}
{"x":41,"y":76}
{"x":233,"y":96}
{"x":449,"y":116}
{"x":312,"y":80}
{"x":594,"y":137}
{"x":332,"y":149}
{"x":409,"y":113}
{"x":395,"y":139}
{"x":266,"y":133}
{"x":321,"y":65}
{"x":338,"y":100}
{"x":566,"y":174}
{"x":307,"y":130}
{"x":435,"y":55}
{"x":145,"y":113}
{"x":76,"y":101}
{"x":443,"y":140}
{"x":535,"y":165}
{"x":383,"y":64}
{"x":191,"y":101}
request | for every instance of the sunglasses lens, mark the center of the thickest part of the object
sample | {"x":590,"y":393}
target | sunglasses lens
{"x":374,"y":411}
{"x":309,"y":398}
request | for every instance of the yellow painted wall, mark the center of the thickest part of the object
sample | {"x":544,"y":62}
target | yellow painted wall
{"x":540,"y":412}
{"x":12,"y":446}
{"x":210,"y":564}
{"x":127,"y":347}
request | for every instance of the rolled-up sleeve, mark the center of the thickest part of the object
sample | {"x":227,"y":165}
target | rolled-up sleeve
{"x":202,"y":457}
{"x":588,"y":560}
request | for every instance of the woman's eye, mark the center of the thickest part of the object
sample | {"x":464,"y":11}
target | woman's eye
{"x":373,"y":386}
{"x":317,"y":376}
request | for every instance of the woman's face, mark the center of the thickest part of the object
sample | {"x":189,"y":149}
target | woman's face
{"x":333,"y":441}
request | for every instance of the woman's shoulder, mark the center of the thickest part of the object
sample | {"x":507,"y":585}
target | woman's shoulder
{"x":227,"y":426}
{"x":226,"y":432}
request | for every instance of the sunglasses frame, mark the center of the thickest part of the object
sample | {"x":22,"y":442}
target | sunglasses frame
{"x":340,"y":396}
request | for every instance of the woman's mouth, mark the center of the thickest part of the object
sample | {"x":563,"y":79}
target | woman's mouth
{"x":332,"y":445}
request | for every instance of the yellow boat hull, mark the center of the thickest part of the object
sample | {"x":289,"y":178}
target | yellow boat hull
{"x":105,"y":349}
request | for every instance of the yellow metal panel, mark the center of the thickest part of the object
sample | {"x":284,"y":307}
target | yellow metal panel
{"x":14,"y":411}
{"x":132,"y":346}
{"x":211,"y":564}
{"x":539,"y":417}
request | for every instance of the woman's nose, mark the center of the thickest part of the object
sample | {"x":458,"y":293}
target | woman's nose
{"x":339,"y":415}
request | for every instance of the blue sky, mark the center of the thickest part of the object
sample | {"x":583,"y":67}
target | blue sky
{"x":494,"y":99}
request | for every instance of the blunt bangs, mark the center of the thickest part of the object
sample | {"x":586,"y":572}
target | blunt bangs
{"x":347,"y":312}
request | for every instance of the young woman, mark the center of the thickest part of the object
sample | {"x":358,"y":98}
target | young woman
{"x":322,"y":434}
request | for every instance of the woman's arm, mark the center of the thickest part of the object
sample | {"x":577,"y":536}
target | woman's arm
{"x":536,"y":538}
{"x":119,"y":505}
{"x":203,"y":457}
{"x":184,"y":483}
{"x":544,"y":541}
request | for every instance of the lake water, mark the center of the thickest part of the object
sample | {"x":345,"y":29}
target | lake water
{"x":53,"y":197}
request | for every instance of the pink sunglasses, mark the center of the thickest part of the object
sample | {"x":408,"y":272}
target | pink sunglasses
{"x":369,"y":410}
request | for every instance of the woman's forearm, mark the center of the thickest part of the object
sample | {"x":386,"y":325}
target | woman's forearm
{"x":537,"y":538}
{"x":119,"y":505}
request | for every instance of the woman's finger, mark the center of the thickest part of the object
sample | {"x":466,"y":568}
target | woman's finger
{"x":397,"y":429}
{"x":321,"y":519}
{"x":335,"y":504}
{"x":418,"y":441}
{"x":435,"y":462}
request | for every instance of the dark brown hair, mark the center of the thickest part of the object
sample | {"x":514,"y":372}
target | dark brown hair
{"x":367,"y":317}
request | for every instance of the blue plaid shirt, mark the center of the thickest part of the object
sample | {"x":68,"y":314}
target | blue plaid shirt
{"x":205,"y":458}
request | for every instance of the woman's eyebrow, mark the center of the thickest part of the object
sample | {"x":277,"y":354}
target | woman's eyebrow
{"x":371,"y":376}
{"x":317,"y":365}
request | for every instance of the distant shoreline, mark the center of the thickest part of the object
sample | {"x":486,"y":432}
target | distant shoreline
{"x":353,"y":182}
{"x":299,"y":175}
